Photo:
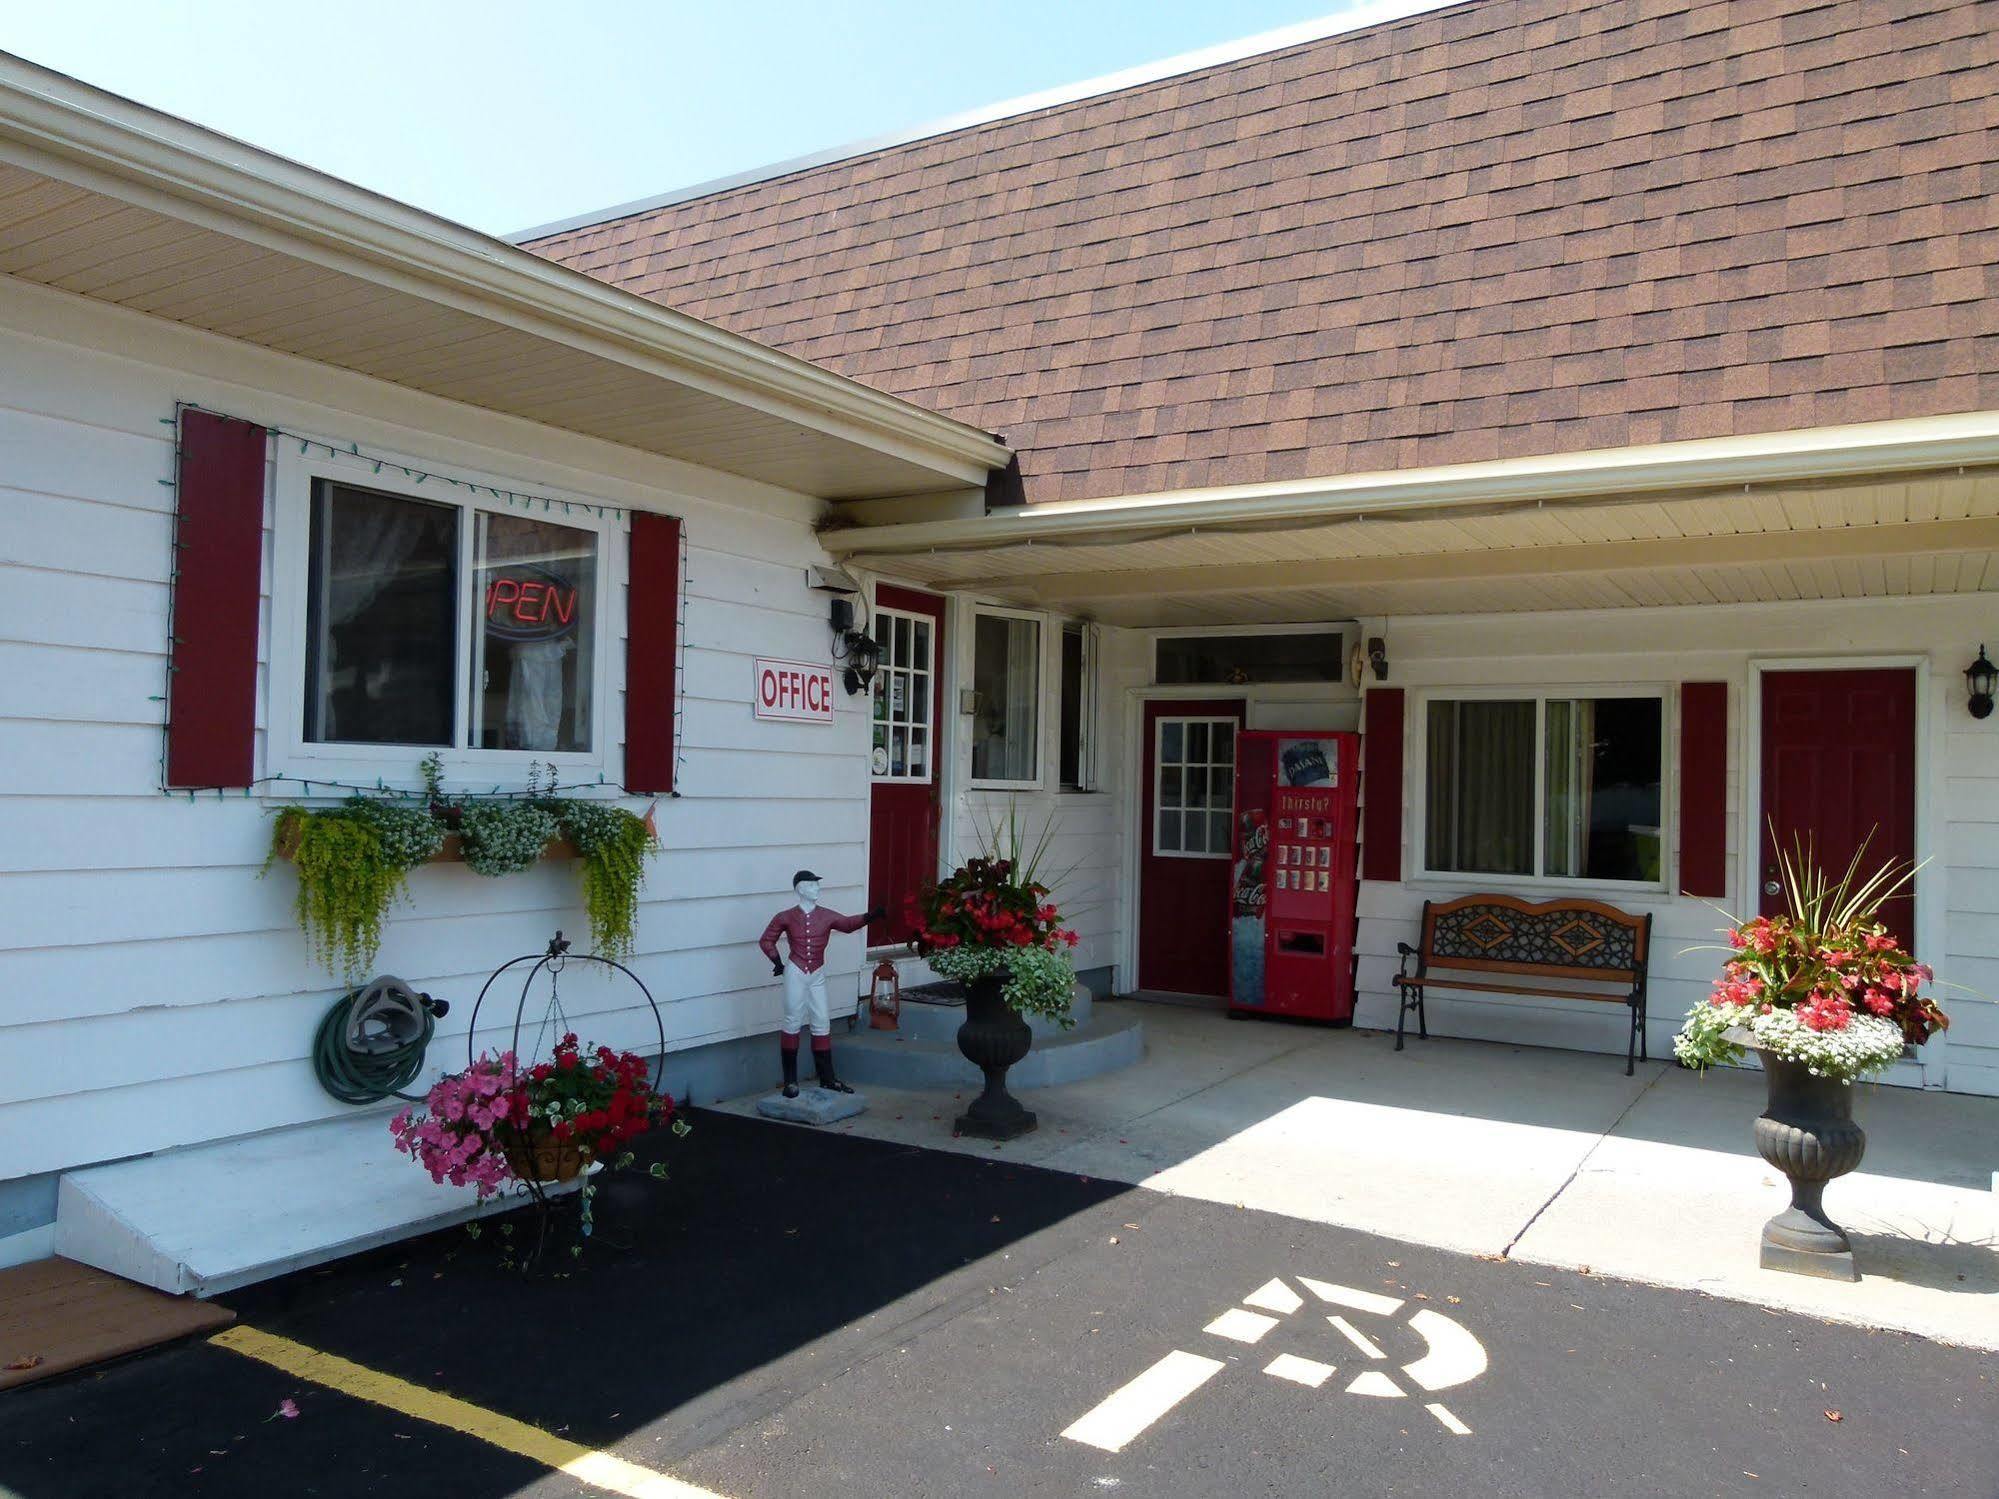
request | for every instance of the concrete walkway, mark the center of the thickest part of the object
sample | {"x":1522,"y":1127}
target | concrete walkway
{"x":1549,"y":1157}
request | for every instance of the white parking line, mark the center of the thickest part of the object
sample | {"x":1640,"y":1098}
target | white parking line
{"x":1127,"y":1411}
{"x":1358,"y":1338}
{"x":1274,"y":1296}
{"x":1451,"y":1422}
{"x":1454,"y":1355}
{"x":1305,"y":1371}
{"x":1239,"y":1326}
{"x":1347,"y":1296}
{"x":1375,"y":1383}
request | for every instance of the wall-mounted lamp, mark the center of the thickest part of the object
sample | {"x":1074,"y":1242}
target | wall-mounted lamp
{"x":1981,"y":677}
{"x":861,"y":651}
{"x":1377,"y":657}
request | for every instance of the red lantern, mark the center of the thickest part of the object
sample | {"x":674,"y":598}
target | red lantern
{"x":885,"y":1007}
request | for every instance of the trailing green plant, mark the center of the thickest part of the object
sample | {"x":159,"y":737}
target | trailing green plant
{"x":346,"y":882}
{"x":504,"y":836}
{"x":613,"y":843}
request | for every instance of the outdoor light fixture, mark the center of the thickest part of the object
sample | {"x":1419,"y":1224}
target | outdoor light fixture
{"x":1982,"y":677}
{"x":1377,"y":657}
{"x":860,"y":650}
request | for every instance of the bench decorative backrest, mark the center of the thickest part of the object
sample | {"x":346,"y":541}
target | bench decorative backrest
{"x":1581,"y":939}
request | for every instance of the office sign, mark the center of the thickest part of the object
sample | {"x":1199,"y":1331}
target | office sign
{"x":794,"y":690}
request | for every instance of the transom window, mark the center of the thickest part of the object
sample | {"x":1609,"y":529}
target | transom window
{"x":1545,"y":786}
{"x":1193,"y":786}
{"x":900,"y":709}
{"x":1256,"y":656}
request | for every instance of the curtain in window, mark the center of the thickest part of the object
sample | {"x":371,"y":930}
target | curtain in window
{"x":1572,"y":764}
{"x":381,"y":644}
{"x":1480,"y":787}
{"x":1006,"y":671}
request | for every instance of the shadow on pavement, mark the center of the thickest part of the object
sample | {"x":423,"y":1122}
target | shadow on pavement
{"x":763,"y":1240}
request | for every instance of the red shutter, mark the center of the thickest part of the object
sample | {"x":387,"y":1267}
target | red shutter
{"x":1381,"y":786}
{"x":212,"y":692}
{"x":652,"y":644}
{"x":1704,"y":789}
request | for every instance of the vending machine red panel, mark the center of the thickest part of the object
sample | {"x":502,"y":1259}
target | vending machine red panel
{"x":1292,"y":899}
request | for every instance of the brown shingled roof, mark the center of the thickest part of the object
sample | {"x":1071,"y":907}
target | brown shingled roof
{"x":1507,"y":228}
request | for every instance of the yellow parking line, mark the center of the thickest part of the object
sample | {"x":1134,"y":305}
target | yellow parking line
{"x":598,"y":1469}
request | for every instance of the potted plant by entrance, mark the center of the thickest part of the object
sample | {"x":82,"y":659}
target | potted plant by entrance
{"x":991,"y":926}
{"x":1824,"y":995}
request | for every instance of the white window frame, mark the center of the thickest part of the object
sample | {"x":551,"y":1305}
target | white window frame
{"x":1661,"y":693}
{"x":1159,"y":772}
{"x":934,"y":730}
{"x":292,"y":757}
{"x":1086,"y":710}
{"x":1039,"y":738}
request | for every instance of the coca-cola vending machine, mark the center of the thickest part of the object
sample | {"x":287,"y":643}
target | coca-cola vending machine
{"x":1291,"y":926}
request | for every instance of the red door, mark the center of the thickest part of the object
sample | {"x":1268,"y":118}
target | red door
{"x":1184,"y":846}
{"x":903,"y":802}
{"x":1839,"y":765}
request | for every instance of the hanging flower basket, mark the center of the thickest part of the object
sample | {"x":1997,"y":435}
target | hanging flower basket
{"x":541,"y":1158}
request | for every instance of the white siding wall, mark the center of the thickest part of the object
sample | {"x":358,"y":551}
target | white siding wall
{"x":1957,"y":810}
{"x":154,"y":989}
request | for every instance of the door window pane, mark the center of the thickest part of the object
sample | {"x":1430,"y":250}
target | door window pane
{"x":1193,"y":782}
{"x":537,"y":602}
{"x":1006,"y":672}
{"x":381,"y":619}
{"x":901,"y":702}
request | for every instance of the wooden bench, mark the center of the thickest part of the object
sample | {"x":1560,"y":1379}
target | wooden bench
{"x":1580,"y":940}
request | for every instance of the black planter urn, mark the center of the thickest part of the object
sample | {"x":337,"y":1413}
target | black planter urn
{"x":1808,"y":1133}
{"x":993,"y":1038}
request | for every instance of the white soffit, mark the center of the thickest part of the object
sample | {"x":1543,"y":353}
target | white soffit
{"x":1892,"y":536}
{"x":104,"y":198}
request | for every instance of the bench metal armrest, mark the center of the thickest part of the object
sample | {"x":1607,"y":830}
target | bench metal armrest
{"x":1407,"y":952}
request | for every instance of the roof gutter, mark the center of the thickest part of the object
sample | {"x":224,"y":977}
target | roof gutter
{"x":58,"y":126}
{"x":1906,"y":446}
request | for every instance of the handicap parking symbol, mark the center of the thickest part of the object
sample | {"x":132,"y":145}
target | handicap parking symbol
{"x":1452,"y":1356}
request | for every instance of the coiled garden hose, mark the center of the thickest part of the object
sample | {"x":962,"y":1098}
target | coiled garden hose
{"x":371,"y":1042}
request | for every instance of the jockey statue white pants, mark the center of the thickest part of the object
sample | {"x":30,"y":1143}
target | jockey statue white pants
{"x":805,"y":1004}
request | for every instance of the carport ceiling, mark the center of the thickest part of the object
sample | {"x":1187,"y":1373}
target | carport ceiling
{"x":1922,"y":534}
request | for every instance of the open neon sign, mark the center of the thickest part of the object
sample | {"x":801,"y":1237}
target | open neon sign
{"x":526,"y":607}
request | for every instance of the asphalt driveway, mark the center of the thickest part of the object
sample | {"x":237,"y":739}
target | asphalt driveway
{"x":808,"y":1312}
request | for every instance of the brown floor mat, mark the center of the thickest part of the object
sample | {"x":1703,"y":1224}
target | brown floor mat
{"x":57,"y":1315}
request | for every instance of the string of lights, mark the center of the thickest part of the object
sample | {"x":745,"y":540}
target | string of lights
{"x":318,"y":786}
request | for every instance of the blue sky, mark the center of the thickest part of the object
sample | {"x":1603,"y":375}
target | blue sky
{"x":503,"y":115}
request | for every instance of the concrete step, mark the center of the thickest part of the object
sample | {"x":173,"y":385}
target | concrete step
{"x":210,"y":1218}
{"x":928,"y":1057}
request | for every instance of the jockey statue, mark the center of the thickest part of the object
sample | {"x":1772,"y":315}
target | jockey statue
{"x":807,"y":926}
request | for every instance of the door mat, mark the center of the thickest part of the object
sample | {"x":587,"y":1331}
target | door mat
{"x":57,"y":1315}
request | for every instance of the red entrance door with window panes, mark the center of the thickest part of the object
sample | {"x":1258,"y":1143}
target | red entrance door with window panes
{"x":1183,"y":857}
{"x":1839,"y":769}
{"x":903,"y":724}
